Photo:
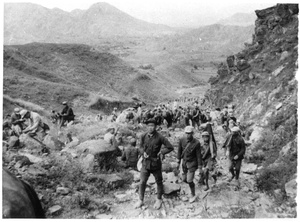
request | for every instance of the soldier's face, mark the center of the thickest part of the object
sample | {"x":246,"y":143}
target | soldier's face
{"x":151,"y":127}
{"x":205,"y":138}
{"x":189,"y":136}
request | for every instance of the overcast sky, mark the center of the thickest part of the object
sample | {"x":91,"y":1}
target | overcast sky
{"x":191,"y":13}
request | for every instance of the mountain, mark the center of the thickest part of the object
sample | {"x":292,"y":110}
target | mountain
{"x":239,"y":19}
{"x":26,"y":22}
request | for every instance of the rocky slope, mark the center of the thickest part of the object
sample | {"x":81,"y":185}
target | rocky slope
{"x":239,"y":19}
{"x":260,"y":81}
{"x":25,"y":23}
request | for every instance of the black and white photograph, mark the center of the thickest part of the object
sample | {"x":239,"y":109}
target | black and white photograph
{"x":149,"y":109}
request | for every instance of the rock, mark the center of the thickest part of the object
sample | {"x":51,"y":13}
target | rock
{"x":284,"y":55}
{"x":257,"y":110}
{"x":171,"y":187}
{"x":249,"y":168}
{"x":231,"y":79}
{"x":151,"y":180}
{"x":62,"y":190}
{"x":55,"y":210}
{"x":278,"y":106}
{"x":87,"y":162}
{"x":251,"y":75}
{"x":95,"y":146}
{"x":291,"y":188}
{"x":136,"y":175}
{"x":171,"y":177}
{"x":53,"y":143}
{"x":111,"y":179}
{"x":73,"y":143}
{"x":242,"y":65}
{"x":289,"y":149}
{"x":32,"y":158}
{"x":36,"y":170}
{"x":22,"y":161}
{"x":30,"y":143}
{"x":166,"y":167}
{"x":277,"y":71}
{"x":256,"y":134}
{"x":13,"y":142}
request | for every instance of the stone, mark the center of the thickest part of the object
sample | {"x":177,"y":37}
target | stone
{"x":36,"y":170}
{"x":62,"y":190}
{"x":136,"y":175}
{"x":13,"y":142}
{"x":277,"y":71}
{"x":171,"y":187}
{"x":284,"y":55}
{"x":111,"y":179}
{"x":256,"y":134}
{"x":55,"y":210}
{"x":249,"y":168}
{"x":257,"y":110}
{"x":289,"y":149}
{"x":230,"y":61}
{"x":291,"y":188}
{"x":32,"y":158}
{"x":53,"y":143}
{"x":251,"y":75}
{"x":242,"y":65}
{"x":87,"y":162}
{"x":278,"y":106}
{"x":171,"y":177}
{"x":231,"y":79}
{"x":75,"y":141}
{"x":95,"y":146}
{"x":151,"y":180}
{"x":30,"y":143}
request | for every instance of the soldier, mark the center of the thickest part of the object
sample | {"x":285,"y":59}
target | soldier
{"x":131,"y":154}
{"x":150,"y":148}
{"x":209,"y":154}
{"x":189,"y":151}
{"x":235,"y":151}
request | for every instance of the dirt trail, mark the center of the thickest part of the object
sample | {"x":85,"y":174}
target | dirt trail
{"x":222,"y":200}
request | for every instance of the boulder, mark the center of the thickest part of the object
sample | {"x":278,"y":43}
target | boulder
{"x":21,"y":161}
{"x":256,"y":134}
{"x":171,"y":187}
{"x":87,"y":162}
{"x":53,"y":143}
{"x":257,"y":110}
{"x":32,"y":158}
{"x":171,"y":177}
{"x":36,"y":170}
{"x":136,"y":175}
{"x":242,"y":65}
{"x":94,"y":146}
{"x":55,"y":210}
{"x":13,"y":142}
{"x":284,"y":55}
{"x":104,"y":216}
{"x":289,"y":149}
{"x":249,"y":168}
{"x":151,"y":180}
{"x":75,"y":141}
{"x":111,"y":179}
{"x":63,"y":190}
{"x":291,"y":188}
{"x":30,"y":143}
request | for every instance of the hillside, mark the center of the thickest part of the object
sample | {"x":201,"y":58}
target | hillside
{"x":47,"y":74}
{"x":26,"y":22}
{"x":239,"y":19}
{"x":213,"y":40}
{"x":260,"y":81}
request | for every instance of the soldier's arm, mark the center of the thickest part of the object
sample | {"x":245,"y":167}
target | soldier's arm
{"x":141,"y":148}
{"x":243,"y":149}
{"x":179,"y":153}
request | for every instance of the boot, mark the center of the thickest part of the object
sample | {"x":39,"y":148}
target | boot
{"x":139,"y":204}
{"x":157,"y":204}
{"x":193,"y":196}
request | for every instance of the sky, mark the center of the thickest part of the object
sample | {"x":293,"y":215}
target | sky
{"x":176,"y":13}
